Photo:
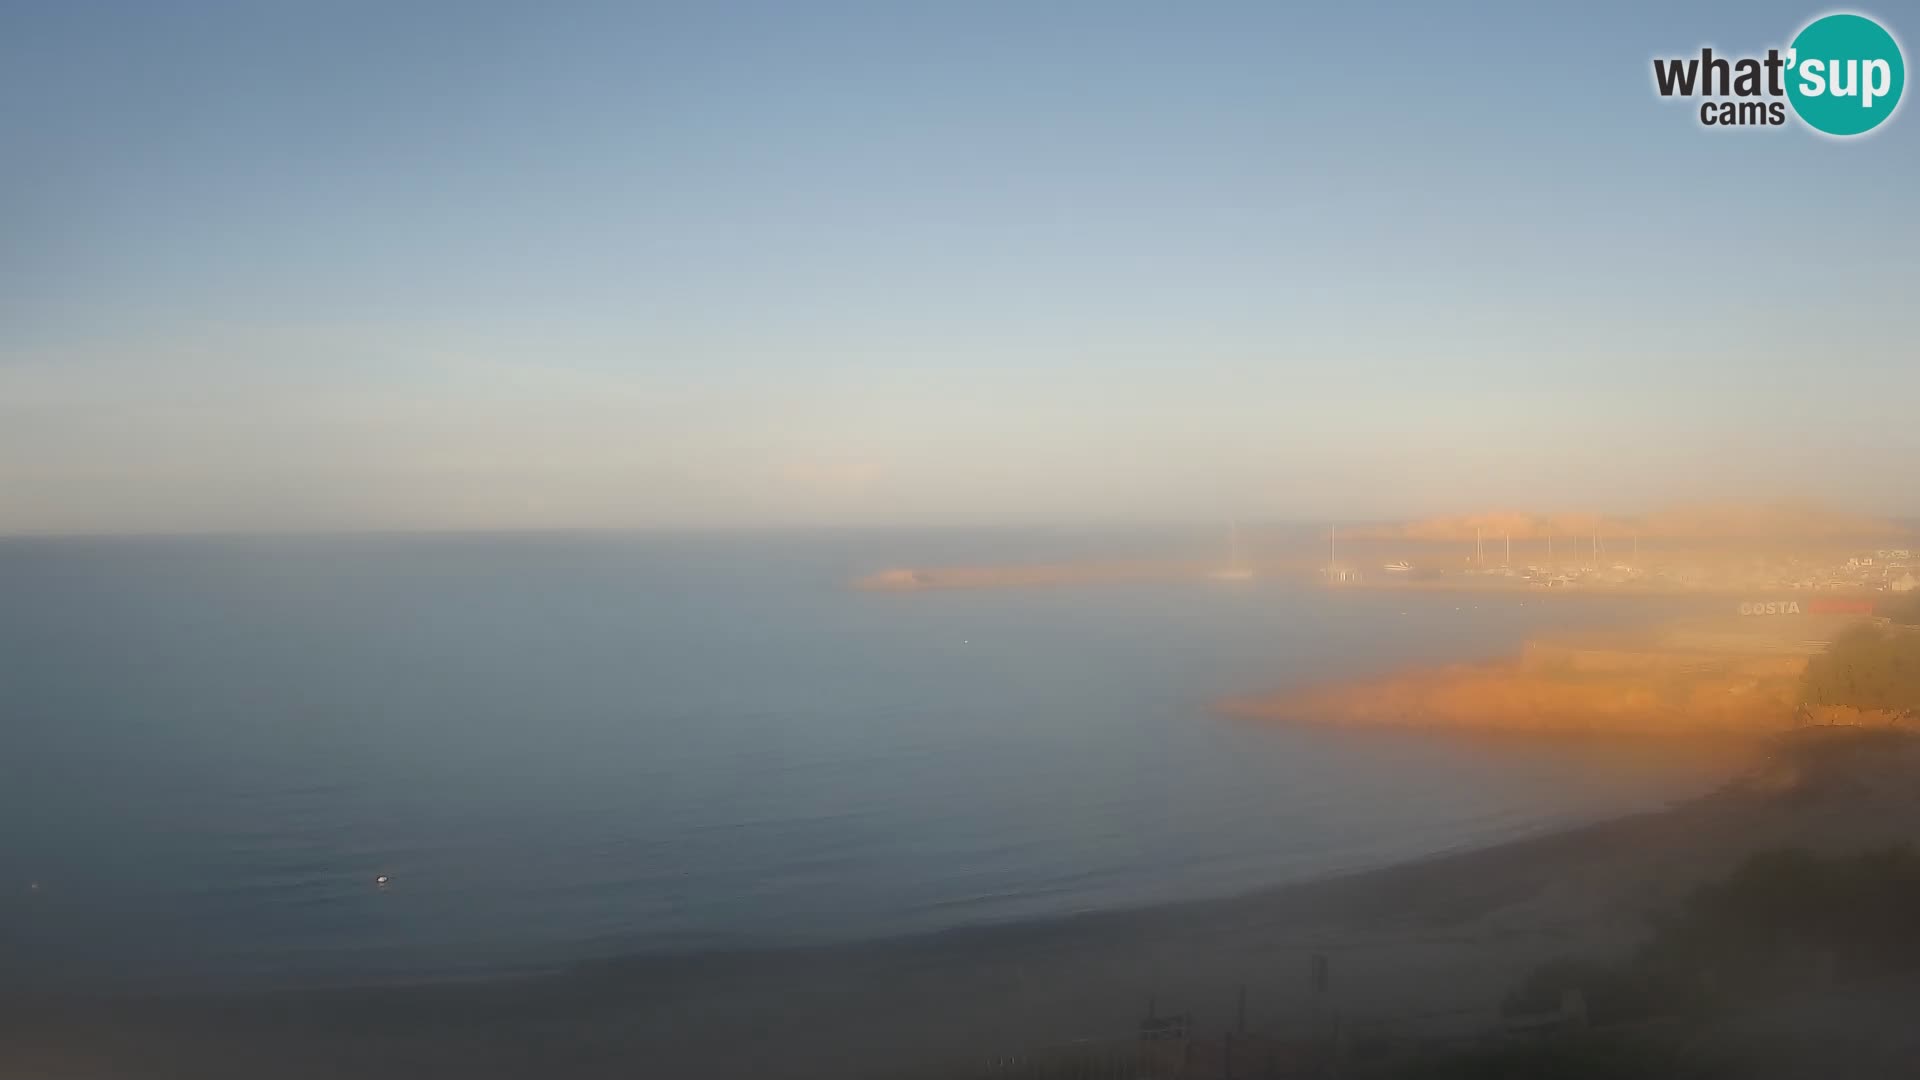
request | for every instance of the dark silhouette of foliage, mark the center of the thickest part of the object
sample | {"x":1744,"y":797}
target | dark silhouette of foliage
{"x":1902,"y":609}
{"x":1780,"y":908}
{"x":1584,"y":1056}
{"x":1781,"y":920}
{"x":1613,"y":993}
{"x":1869,"y":667}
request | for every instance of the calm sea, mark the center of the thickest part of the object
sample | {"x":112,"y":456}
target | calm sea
{"x":568,"y":747}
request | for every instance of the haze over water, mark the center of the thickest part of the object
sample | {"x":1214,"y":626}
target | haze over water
{"x":564,"y":747}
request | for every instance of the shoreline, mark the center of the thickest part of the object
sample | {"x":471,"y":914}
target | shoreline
{"x":1433,"y":940}
{"x":1302,"y":574}
{"x":1712,"y":756}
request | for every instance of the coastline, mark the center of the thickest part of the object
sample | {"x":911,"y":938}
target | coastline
{"x":1724,"y":675}
{"x":1299,"y":572}
{"x":1430,"y":943}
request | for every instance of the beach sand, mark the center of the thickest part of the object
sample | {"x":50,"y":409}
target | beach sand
{"x":1426,"y":947}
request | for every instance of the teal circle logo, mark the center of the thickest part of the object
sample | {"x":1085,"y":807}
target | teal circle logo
{"x":1845,"y":74}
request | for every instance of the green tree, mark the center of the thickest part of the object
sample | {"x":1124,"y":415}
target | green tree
{"x":1902,"y":608}
{"x":1869,"y":667}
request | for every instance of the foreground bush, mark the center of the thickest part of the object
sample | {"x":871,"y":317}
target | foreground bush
{"x":1868,"y":668}
{"x":1586,"y":1056}
{"x":1781,"y":911}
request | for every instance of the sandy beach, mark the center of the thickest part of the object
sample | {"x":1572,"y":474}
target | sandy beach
{"x":1424,"y":947}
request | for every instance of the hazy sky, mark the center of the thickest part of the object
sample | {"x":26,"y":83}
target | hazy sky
{"x":406,"y":265}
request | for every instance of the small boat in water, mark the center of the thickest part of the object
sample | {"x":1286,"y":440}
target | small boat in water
{"x":1401,"y":567}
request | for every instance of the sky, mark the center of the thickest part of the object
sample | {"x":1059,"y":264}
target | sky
{"x":317,"y":266}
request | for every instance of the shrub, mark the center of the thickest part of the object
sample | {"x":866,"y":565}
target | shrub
{"x":1902,"y":608}
{"x":1868,"y":668}
{"x":1613,"y":994}
{"x":1778,"y":908}
{"x":1586,"y":1056}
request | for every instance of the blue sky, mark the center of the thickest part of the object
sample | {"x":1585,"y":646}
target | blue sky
{"x":340,"y":265}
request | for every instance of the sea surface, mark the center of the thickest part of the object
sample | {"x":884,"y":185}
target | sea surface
{"x":560,"y":748}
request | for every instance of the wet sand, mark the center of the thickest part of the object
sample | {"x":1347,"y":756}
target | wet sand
{"x":1423,"y":947}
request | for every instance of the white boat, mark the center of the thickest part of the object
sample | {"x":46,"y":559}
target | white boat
{"x":1401,"y":567}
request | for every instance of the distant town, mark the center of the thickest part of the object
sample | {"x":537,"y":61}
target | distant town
{"x":1768,"y":551}
{"x":1876,"y":570}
